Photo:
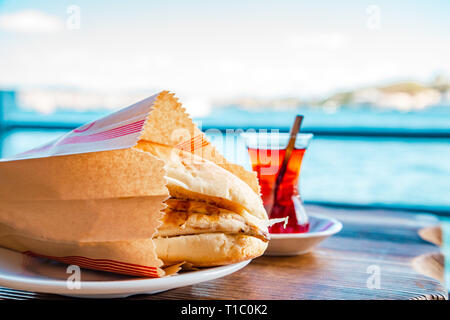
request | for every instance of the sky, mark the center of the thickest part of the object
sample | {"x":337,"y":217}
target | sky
{"x":221,"y":49}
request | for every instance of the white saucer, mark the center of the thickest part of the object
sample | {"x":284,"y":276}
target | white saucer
{"x":291,"y":244}
{"x":21,"y":272}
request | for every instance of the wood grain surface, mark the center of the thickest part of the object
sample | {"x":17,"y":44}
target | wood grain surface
{"x":389,"y":241}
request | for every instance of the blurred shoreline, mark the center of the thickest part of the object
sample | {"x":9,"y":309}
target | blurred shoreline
{"x":399,"y":96}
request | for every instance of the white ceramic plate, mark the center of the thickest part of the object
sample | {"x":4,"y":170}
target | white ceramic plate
{"x":21,"y":272}
{"x":291,"y":244}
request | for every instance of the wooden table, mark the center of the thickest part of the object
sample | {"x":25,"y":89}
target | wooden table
{"x":370,"y":241}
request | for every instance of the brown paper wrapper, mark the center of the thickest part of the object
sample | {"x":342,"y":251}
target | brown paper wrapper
{"x":89,"y":198}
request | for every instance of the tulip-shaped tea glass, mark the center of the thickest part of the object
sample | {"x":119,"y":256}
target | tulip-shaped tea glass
{"x":267,"y":152}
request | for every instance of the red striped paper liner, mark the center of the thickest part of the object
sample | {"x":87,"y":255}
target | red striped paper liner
{"x":106,"y":135}
{"x":103,"y":265}
{"x":85,"y":127}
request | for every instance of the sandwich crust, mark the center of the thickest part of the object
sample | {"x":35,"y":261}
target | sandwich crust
{"x":192,"y":177}
{"x":208,"y":249}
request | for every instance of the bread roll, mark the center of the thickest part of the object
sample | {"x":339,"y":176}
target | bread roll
{"x":212,"y":218}
{"x":209,"y":249}
{"x":191,"y":177}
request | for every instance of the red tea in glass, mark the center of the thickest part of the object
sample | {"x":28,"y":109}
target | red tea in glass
{"x":266,"y":155}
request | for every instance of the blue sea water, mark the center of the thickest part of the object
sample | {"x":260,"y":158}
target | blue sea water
{"x":367,"y":171}
{"x":412,"y":172}
{"x":435,"y":118}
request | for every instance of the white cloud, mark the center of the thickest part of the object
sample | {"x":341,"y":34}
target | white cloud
{"x":30,"y":21}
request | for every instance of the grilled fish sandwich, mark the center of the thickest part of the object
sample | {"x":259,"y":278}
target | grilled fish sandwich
{"x":212,"y":217}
